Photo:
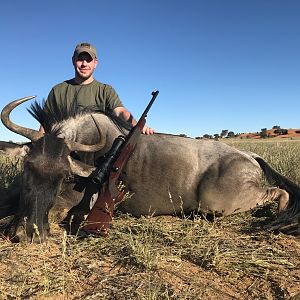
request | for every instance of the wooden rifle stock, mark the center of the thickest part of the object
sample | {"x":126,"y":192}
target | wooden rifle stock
{"x":100,"y":216}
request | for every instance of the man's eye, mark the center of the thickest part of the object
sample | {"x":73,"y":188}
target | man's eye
{"x":87,"y":59}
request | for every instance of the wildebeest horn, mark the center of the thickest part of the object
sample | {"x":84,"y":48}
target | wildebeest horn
{"x":79,"y":168}
{"x":75,"y":146}
{"x":31,"y":134}
{"x":34,"y":135}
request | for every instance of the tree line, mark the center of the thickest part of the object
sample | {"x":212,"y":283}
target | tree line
{"x":225,"y":133}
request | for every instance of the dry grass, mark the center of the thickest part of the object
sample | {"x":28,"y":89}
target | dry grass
{"x":164,"y":257}
{"x":9,"y":169}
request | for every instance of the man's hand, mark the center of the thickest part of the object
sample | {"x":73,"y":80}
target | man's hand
{"x":123,"y":113}
{"x":147,"y":130}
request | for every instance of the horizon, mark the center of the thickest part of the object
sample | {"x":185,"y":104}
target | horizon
{"x":237,"y":134}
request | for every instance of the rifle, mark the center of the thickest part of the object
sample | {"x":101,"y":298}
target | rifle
{"x":113,"y":162}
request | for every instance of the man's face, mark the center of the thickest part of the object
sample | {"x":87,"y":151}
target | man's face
{"x":84,"y":65}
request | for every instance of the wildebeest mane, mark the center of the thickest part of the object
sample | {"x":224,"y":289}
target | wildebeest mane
{"x":47,"y":115}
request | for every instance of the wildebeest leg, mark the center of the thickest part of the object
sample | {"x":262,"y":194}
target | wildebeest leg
{"x":262,"y":196}
{"x":8,"y":208}
{"x":235,"y":186}
{"x":277,"y":194}
{"x":76,"y":215}
{"x":9,"y":198}
{"x":9,"y":202}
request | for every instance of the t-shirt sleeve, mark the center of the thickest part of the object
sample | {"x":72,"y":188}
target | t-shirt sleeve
{"x":112,"y":98}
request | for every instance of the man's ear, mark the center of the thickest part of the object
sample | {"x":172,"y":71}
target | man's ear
{"x":96,"y":62}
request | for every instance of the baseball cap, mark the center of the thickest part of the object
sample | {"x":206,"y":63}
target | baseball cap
{"x":85,"y":47}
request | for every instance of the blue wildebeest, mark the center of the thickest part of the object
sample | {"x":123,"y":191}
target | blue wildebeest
{"x":11,"y":149}
{"x":9,"y":196}
{"x":167,"y":174}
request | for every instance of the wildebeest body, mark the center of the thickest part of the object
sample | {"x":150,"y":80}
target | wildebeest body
{"x":171,"y":174}
{"x":182,"y":174}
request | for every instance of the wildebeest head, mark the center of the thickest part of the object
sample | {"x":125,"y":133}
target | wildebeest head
{"x":43,"y":174}
{"x":47,"y":163}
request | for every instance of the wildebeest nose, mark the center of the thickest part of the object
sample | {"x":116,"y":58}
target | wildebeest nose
{"x":29,"y":234}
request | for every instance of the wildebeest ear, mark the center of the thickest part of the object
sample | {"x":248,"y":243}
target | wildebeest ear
{"x":79,"y":168}
{"x":13,"y":150}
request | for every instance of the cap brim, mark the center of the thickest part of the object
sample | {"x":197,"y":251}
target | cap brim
{"x":92,"y":54}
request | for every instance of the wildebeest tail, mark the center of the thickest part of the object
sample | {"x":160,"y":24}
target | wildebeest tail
{"x":274,"y":177}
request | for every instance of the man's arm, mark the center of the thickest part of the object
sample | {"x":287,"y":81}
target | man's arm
{"x":123,"y":113}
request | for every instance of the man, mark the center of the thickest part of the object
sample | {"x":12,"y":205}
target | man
{"x":87,"y":91}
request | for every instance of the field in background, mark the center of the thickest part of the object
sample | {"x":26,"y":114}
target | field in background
{"x":163,"y":257}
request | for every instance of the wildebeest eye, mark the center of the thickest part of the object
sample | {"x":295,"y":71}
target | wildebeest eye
{"x":28,"y":164}
{"x":27,"y":189}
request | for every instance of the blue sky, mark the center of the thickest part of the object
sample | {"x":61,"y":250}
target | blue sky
{"x":218,"y":64}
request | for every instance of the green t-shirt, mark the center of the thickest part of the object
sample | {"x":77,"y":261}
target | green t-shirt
{"x":95,"y":95}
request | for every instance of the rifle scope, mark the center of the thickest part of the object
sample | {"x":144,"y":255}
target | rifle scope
{"x":107,"y":161}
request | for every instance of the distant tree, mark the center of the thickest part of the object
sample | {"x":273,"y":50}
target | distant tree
{"x":183,"y":135}
{"x":207,"y":136}
{"x":264,"y":134}
{"x":230,"y":134}
{"x":224,"y":133}
{"x":216,"y":136}
{"x":281,"y":131}
{"x":198,"y":137}
{"x":276,"y":127}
